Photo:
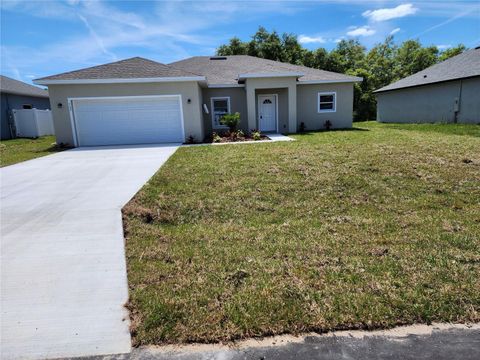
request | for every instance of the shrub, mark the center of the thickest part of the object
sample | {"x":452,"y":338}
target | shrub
{"x":216,"y":138}
{"x":191,"y":140}
{"x":240,"y":134}
{"x":232,"y":135}
{"x":328,"y":125}
{"x":256,"y":135}
{"x":231,"y":120}
{"x":302,"y":127}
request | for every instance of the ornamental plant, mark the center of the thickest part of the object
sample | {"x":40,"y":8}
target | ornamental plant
{"x":231,"y":120}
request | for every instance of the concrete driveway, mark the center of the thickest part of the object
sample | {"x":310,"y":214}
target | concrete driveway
{"x":63,"y":274}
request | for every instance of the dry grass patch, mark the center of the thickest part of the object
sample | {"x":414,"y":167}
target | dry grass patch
{"x":367,"y":228}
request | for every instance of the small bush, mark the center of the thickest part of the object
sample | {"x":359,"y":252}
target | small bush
{"x":232,"y":135}
{"x":191,"y":140}
{"x":231,"y":120}
{"x":256,"y":135}
{"x":216,"y":138}
{"x":240,"y":134}
{"x":302,"y":127}
{"x":328,"y":125}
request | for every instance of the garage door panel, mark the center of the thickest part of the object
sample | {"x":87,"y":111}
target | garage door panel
{"x":128,"y":120}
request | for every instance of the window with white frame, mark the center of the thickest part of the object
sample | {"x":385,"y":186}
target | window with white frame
{"x":220,"y":107}
{"x":327,"y":102}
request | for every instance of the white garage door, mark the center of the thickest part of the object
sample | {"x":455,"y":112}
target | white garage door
{"x":128,"y":120}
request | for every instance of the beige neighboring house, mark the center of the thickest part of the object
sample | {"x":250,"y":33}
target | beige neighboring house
{"x":139,"y":101}
{"x":448,"y":92}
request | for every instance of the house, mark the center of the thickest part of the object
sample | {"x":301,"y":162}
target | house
{"x":18,"y":95}
{"x":137,"y":101}
{"x":447,"y":92}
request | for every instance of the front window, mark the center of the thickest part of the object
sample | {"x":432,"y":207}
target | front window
{"x":220,"y":107}
{"x":327,"y":102}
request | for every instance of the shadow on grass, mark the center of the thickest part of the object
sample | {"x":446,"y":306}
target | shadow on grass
{"x":447,"y":129}
{"x":52,"y":149}
{"x":313,"y":132}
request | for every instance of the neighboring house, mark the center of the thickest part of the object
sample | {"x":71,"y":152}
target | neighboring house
{"x":137,"y":101}
{"x":447,"y":92}
{"x":18,"y":95}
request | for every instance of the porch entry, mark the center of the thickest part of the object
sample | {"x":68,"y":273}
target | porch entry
{"x":267,"y":113}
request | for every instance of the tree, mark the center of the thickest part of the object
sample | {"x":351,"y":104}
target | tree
{"x":293,"y":52}
{"x":454,"y":51}
{"x":317,"y":59}
{"x":235,"y":47}
{"x":350,"y":53}
{"x":411,"y":58}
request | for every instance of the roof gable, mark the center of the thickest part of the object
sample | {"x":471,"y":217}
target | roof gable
{"x":464,"y":65}
{"x":12,"y":86}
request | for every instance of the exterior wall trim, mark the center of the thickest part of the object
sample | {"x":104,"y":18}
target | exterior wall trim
{"x":120,"y":81}
{"x":309,"y":82}
{"x":218,"y":86}
{"x":268,"y":75}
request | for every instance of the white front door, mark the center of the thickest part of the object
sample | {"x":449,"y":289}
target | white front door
{"x":267,"y":113}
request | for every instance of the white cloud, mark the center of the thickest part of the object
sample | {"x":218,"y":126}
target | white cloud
{"x":444,"y":47}
{"x":361,"y":31}
{"x":394,"y":31}
{"x":304,"y":39}
{"x":390,"y":13}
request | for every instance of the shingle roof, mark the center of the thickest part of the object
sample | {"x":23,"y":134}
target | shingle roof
{"x":226,"y":71}
{"x":133,"y":68}
{"x":466,"y":64}
{"x":11,"y":86}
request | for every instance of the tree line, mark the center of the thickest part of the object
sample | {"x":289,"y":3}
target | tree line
{"x":383,"y":64}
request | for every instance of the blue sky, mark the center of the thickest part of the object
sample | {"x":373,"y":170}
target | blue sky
{"x":40,"y":38}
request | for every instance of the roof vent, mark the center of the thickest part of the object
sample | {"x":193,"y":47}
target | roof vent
{"x":218,"y":58}
{"x":478,"y":47}
{"x":424,"y":76}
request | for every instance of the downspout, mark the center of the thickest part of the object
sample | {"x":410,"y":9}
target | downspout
{"x":456,"y":106}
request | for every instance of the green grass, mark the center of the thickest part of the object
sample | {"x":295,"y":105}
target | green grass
{"x":17,"y":150}
{"x":368,"y":228}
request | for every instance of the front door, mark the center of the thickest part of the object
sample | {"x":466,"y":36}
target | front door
{"x":267,"y":113}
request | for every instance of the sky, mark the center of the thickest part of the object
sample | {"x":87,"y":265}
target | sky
{"x":40,"y":38}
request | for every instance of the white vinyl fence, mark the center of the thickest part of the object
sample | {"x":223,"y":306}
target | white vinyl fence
{"x":32,"y":123}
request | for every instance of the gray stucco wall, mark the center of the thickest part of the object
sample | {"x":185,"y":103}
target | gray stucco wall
{"x":238,"y":103}
{"x":307,"y":106}
{"x":431,"y":103}
{"x":192,"y":114}
{"x":10,"y":102}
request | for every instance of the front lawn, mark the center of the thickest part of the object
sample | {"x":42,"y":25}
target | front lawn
{"x":373,"y":227}
{"x":17,"y":150}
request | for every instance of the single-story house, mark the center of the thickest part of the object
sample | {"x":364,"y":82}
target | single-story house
{"x":447,"y":92}
{"x":18,"y":95}
{"x":137,"y":100}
